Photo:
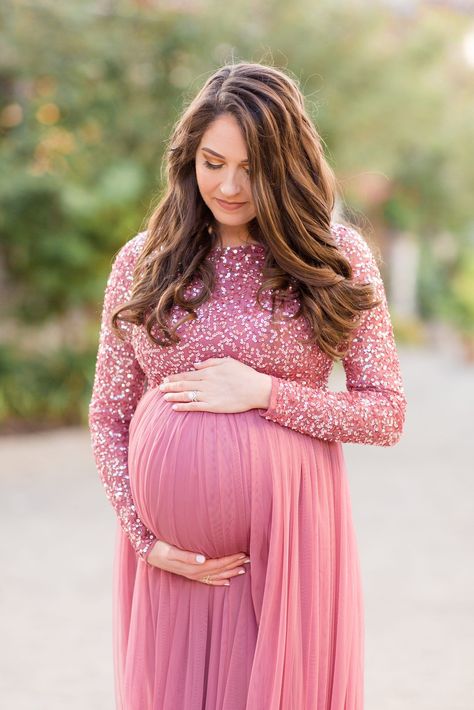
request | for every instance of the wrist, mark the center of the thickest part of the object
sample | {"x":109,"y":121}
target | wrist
{"x":264,"y":391}
{"x":148,"y":554}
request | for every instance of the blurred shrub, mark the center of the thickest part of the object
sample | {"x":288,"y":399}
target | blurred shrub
{"x":409,"y":331}
{"x":52,"y":390}
{"x":90,"y":91}
{"x":458,"y":307}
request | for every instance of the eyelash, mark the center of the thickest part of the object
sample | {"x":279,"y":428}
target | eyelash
{"x":216,"y":167}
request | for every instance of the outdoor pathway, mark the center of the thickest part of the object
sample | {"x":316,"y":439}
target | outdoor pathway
{"x":412,"y":508}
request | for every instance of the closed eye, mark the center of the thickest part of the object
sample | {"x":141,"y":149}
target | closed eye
{"x":212,"y":166}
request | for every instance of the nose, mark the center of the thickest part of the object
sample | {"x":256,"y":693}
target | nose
{"x":230,"y":186}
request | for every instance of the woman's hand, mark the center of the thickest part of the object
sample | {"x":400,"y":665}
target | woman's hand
{"x":183,"y":562}
{"x":223,"y":385}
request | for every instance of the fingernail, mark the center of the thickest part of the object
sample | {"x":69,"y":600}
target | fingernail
{"x":200,"y":559}
{"x":241,"y":571}
{"x":245,"y":561}
{"x":226,"y":584}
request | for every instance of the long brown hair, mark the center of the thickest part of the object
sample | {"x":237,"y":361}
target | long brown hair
{"x":294,"y":196}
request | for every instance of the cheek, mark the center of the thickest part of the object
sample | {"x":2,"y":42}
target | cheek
{"x":206,"y":181}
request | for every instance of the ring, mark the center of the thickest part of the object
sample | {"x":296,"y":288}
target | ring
{"x":206,"y":579}
{"x":193,"y":396}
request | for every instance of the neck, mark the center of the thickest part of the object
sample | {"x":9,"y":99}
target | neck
{"x":229,"y":236}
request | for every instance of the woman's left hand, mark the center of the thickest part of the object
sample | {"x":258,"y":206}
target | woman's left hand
{"x":223,"y":385}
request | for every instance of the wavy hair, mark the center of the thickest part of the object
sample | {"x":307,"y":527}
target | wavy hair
{"x":294,"y":196}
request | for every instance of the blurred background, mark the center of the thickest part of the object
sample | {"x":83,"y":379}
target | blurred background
{"x":89,"y":92}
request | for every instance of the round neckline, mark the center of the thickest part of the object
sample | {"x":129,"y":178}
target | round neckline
{"x":238,"y":248}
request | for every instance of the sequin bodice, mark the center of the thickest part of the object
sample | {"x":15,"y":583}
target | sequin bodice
{"x":231,"y":323}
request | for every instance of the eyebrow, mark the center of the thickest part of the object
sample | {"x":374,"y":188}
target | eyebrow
{"x":208,"y":150}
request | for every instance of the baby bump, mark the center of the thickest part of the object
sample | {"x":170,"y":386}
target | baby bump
{"x":193,"y":474}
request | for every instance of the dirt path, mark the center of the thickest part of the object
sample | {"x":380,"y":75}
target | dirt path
{"x":412,"y":507}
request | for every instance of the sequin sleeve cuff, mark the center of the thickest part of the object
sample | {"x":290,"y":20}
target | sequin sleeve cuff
{"x":360,"y":417}
{"x":271,"y":410}
{"x":147,"y":549}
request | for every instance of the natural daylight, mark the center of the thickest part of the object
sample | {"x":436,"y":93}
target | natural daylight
{"x":236,"y":355}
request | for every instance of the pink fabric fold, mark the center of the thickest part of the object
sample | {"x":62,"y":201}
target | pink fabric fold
{"x":287,"y":635}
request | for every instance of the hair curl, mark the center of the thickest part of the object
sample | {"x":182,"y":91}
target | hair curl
{"x":294,"y":196}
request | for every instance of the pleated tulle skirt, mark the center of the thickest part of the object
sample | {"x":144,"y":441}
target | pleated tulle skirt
{"x":288,"y":634}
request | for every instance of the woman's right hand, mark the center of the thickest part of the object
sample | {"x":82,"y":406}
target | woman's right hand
{"x":183,"y":562}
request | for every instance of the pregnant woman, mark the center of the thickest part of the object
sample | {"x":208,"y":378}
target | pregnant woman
{"x":237,"y":582}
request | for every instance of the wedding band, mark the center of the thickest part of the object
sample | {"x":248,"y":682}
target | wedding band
{"x":193,"y":396}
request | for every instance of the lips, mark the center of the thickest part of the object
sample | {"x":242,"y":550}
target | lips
{"x":229,"y":205}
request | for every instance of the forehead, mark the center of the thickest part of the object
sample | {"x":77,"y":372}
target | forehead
{"x":223,"y":138}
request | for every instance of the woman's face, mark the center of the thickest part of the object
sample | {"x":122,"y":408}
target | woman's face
{"x":222,"y":172}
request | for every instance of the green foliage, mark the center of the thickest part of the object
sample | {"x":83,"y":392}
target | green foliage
{"x":89,"y":94}
{"x":446,"y":285}
{"x":432,"y":278}
{"x":459,"y":304}
{"x":52,"y":390}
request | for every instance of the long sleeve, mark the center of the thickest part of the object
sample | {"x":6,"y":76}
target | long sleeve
{"x":118,"y":386}
{"x":372,"y":410}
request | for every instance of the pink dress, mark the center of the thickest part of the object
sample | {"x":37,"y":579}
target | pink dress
{"x":288,"y":634}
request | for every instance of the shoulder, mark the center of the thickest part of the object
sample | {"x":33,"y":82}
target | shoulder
{"x":130,"y":251}
{"x":125,"y":257}
{"x":353,"y":245}
{"x":123,"y":263}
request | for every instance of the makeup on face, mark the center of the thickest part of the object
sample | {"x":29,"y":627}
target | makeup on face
{"x":230,"y":206}
{"x":222,"y":171}
{"x":227,"y":205}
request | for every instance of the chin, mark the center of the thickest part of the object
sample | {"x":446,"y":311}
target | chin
{"x":230,"y":220}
